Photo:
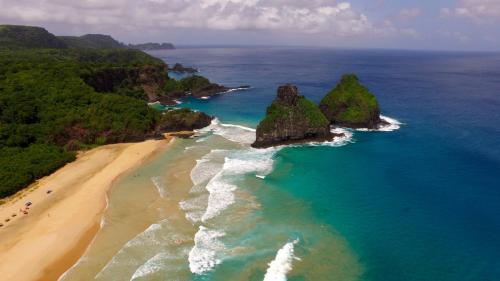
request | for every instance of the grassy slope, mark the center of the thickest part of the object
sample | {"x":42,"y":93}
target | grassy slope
{"x":357,"y":104}
{"x":276,"y":112}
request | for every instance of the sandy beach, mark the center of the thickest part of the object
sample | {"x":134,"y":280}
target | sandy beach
{"x":59,"y":226}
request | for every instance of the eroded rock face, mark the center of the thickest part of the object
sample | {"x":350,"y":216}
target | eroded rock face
{"x":150,"y":79}
{"x":291,"y":118}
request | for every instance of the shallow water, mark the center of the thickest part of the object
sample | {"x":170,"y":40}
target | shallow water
{"x":418,"y":202}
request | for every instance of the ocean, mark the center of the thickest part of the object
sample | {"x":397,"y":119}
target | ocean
{"x":417,"y":201}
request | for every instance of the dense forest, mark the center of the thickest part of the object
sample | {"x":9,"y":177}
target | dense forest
{"x":50,"y":105}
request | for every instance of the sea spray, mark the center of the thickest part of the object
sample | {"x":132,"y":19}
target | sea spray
{"x":282,"y":263}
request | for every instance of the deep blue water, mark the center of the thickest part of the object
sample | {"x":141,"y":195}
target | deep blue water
{"x":419,"y":203}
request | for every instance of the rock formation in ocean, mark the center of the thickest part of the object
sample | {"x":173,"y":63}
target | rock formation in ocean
{"x":196,"y":86}
{"x":183,"y":69}
{"x":183,"y":119}
{"x":350,"y":104}
{"x":291,"y":118}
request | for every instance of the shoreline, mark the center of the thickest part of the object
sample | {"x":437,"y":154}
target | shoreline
{"x":61,"y":225}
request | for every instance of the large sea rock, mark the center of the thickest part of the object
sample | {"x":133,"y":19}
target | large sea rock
{"x":291,"y":118}
{"x":352,"y":105}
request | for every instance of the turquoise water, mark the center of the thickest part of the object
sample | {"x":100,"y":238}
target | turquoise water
{"x":418,"y":203}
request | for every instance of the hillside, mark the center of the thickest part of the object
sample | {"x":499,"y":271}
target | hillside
{"x":92,"y":41}
{"x":18,"y":36}
{"x":62,"y":94}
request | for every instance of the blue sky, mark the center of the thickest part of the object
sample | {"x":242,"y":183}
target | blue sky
{"x":404,"y":24}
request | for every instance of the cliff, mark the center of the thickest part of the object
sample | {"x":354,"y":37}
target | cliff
{"x":350,"y":104}
{"x":291,"y":118}
{"x":144,"y":82}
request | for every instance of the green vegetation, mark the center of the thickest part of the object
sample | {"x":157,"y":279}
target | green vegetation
{"x":183,"y":119}
{"x":306,"y":109}
{"x":313,"y":115}
{"x":92,"y":41}
{"x":351,"y":104}
{"x":47,"y":110}
{"x":17,"y":36}
{"x":191,"y":83}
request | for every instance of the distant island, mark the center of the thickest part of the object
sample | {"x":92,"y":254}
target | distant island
{"x":19,"y":36}
{"x":292,"y":118}
{"x":152,"y":46}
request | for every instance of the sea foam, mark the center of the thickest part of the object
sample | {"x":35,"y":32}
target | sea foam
{"x":234,"y":133}
{"x":204,"y":255}
{"x":282,"y":263}
{"x":392,"y":125}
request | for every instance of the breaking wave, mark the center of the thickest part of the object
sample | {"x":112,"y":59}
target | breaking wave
{"x":204,"y":255}
{"x":282,"y":263}
{"x":392,"y":125}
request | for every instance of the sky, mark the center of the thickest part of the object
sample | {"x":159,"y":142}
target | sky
{"x":403,"y":24}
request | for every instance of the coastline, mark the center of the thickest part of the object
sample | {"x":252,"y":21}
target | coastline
{"x":60,"y":225}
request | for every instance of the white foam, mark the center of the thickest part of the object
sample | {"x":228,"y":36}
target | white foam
{"x":282,"y":263}
{"x":204,"y":170}
{"x":392,"y":125}
{"x":159,"y":183}
{"x":221,"y":186}
{"x":220,"y":196}
{"x":236,"y":89}
{"x":260,"y":176}
{"x":195,"y":207}
{"x":135,"y":257}
{"x":204,"y":255}
{"x":205,"y":98}
{"x":234,"y":133}
{"x":153,"y":265}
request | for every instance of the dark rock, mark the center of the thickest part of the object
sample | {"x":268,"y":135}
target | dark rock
{"x":210,"y":90}
{"x":182,"y":69}
{"x":150,"y":79}
{"x":183,"y":119}
{"x":291,"y":118}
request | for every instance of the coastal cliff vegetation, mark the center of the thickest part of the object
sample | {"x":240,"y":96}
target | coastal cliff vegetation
{"x":54,"y":101}
{"x":351,"y":104}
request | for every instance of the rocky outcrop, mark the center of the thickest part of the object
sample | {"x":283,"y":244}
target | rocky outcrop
{"x":291,"y":118}
{"x":183,"y":120}
{"x":147,"y":78}
{"x":350,"y":104}
{"x":182,"y":69}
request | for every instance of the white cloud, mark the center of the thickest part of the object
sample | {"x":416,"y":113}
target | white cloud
{"x":304,"y":16}
{"x":411,"y":13}
{"x":478,"y":10}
